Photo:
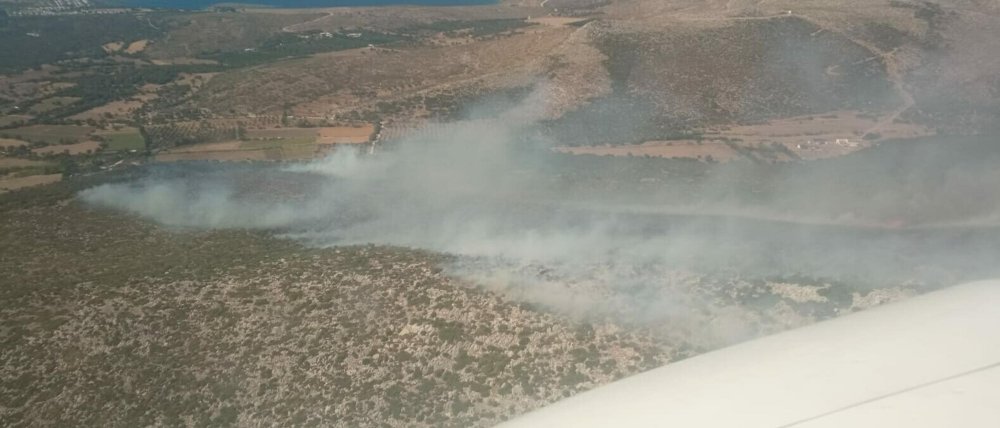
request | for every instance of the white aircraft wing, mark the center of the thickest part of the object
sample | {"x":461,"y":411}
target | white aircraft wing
{"x":930,"y":361}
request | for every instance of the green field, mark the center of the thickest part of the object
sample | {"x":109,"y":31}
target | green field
{"x":125,"y":139}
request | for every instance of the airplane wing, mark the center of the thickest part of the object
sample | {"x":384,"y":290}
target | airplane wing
{"x":930,"y":361}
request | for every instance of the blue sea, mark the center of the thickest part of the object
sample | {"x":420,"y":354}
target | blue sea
{"x":201,"y":4}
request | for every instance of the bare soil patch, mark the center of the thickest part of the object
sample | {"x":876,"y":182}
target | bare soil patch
{"x":137,"y":46}
{"x":345,"y":134}
{"x":112,"y":47}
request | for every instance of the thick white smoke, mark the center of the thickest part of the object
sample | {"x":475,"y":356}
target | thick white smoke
{"x":487,"y":191}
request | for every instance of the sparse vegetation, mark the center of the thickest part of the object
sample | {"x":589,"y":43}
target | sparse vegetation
{"x":28,"y":42}
{"x":475,"y":29}
{"x":192,"y":322}
{"x":158,"y":325}
{"x":292,"y":45}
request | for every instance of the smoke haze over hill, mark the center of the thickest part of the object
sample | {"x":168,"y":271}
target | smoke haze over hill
{"x":486,"y":191}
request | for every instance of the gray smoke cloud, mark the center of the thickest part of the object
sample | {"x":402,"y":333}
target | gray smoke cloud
{"x":605,"y":237}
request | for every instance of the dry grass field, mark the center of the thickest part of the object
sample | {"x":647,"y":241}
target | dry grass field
{"x":71,"y":149}
{"x":17,"y":173}
{"x":273,"y":144}
{"x":345,"y":134}
{"x":13,"y":119}
{"x":255,"y":150}
{"x":222,"y":155}
{"x":8,"y":184}
{"x":50,"y":134}
{"x":321,"y":135}
{"x":10,"y":142}
{"x":115,"y":110}
{"x":48,"y":104}
{"x":10,"y":163}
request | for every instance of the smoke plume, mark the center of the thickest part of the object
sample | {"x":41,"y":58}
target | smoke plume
{"x":605,"y":237}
